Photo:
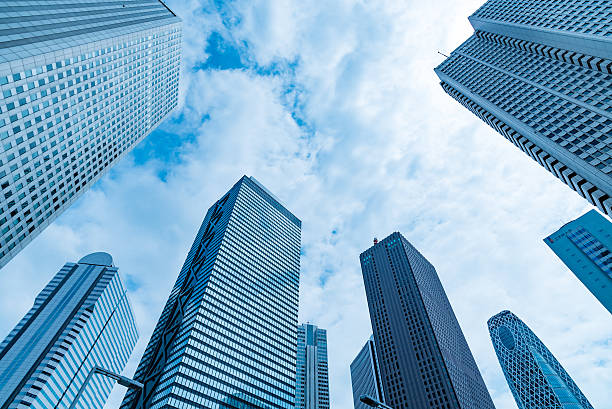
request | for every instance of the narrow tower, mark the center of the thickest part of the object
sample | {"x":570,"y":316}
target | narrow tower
{"x":365,"y":375}
{"x":537,"y":380}
{"x":227,"y":336}
{"x":81,"y":319}
{"x":585,"y":246}
{"x":540,"y":73}
{"x":312,"y":381}
{"x":425,"y":361}
{"x":82,"y":83}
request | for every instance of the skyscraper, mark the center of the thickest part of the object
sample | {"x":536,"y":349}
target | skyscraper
{"x":227,"y":336}
{"x":365,"y":375}
{"x":81,"y":319}
{"x":540,"y":73}
{"x":312,"y":380}
{"x":537,"y":380}
{"x":82,"y":83}
{"x":424,"y":359}
{"x":584,"y":246}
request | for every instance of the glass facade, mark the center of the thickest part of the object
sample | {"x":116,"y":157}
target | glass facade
{"x":537,"y":380}
{"x":312,"y":378}
{"x":81,"y":319}
{"x":227,"y":336}
{"x":584,"y":246}
{"x":82,"y":83}
{"x":540,"y":73}
{"x":365,"y":375}
{"x":425,"y":361}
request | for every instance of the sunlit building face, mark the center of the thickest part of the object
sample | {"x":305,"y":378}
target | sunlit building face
{"x":81,"y":84}
{"x":228,"y":333}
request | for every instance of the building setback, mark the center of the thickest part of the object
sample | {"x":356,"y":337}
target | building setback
{"x":365,"y":375}
{"x":584,"y":246}
{"x":537,"y":380}
{"x":81,"y":319}
{"x":540,"y":73}
{"x":424,"y":359}
{"x":312,"y":379}
{"x":227,"y":336}
{"x":82,"y":83}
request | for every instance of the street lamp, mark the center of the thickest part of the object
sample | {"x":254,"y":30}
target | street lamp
{"x":121,"y":380}
{"x":370,"y":401}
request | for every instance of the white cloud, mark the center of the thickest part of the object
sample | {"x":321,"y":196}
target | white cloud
{"x":388,"y":151}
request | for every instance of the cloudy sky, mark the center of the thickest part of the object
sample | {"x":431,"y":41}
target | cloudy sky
{"x":335,"y":107}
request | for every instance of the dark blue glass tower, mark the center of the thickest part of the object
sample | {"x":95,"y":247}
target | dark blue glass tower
{"x":537,"y":380}
{"x":424,"y":359}
{"x":228,"y":333}
{"x":365,"y":375}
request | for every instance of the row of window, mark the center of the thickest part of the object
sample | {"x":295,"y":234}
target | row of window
{"x":592,"y":17}
{"x":580,"y":130}
{"x":93,"y":120}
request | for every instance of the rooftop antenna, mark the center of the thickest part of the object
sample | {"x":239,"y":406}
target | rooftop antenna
{"x":439,"y":52}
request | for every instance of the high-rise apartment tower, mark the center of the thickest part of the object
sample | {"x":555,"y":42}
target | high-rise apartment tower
{"x":227,"y":336}
{"x":540,"y":73}
{"x":425,"y":361}
{"x":537,"y":380}
{"x":80,"y":320}
{"x":82,"y":83}
{"x":365,"y":375}
{"x":585,"y":245}
{"x":312,"y":380}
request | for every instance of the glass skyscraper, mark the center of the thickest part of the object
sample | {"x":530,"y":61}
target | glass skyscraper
{"x":365,"y":375}
{"x":424,"y":359}
{"x":537,"y":380}
{"x":312,"y":378}
{"x":540,"y":73}
{"x":81,"y":319}
{"x":227,"y":337}
{"x":584,"y":246}
{"x":82,"y":83}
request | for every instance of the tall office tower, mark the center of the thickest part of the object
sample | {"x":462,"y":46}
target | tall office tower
{"x":537,"y":380}
{"x":584,"y":245}
{"x":540,"y":73}
{"x":365,"y":375}
{"x":81,"y":319}
{"x":227,"y":337}
{"x":82,"y":83}
{"x":424,"y":359}
{"x":312,"y":380}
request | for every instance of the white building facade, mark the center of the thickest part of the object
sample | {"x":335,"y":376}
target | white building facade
{"x":81,"y":84}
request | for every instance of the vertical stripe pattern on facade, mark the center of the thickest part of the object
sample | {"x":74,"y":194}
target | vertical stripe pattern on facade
{"x":81,"y":319}
{"x":424,"y":358}
{"x":365,"y":375}
{"x":227,"y":335}
{"x":312,"y":381}
{"x":81,"y":83}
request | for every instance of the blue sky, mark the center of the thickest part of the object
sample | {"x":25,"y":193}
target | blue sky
{"x":335,"y":107}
